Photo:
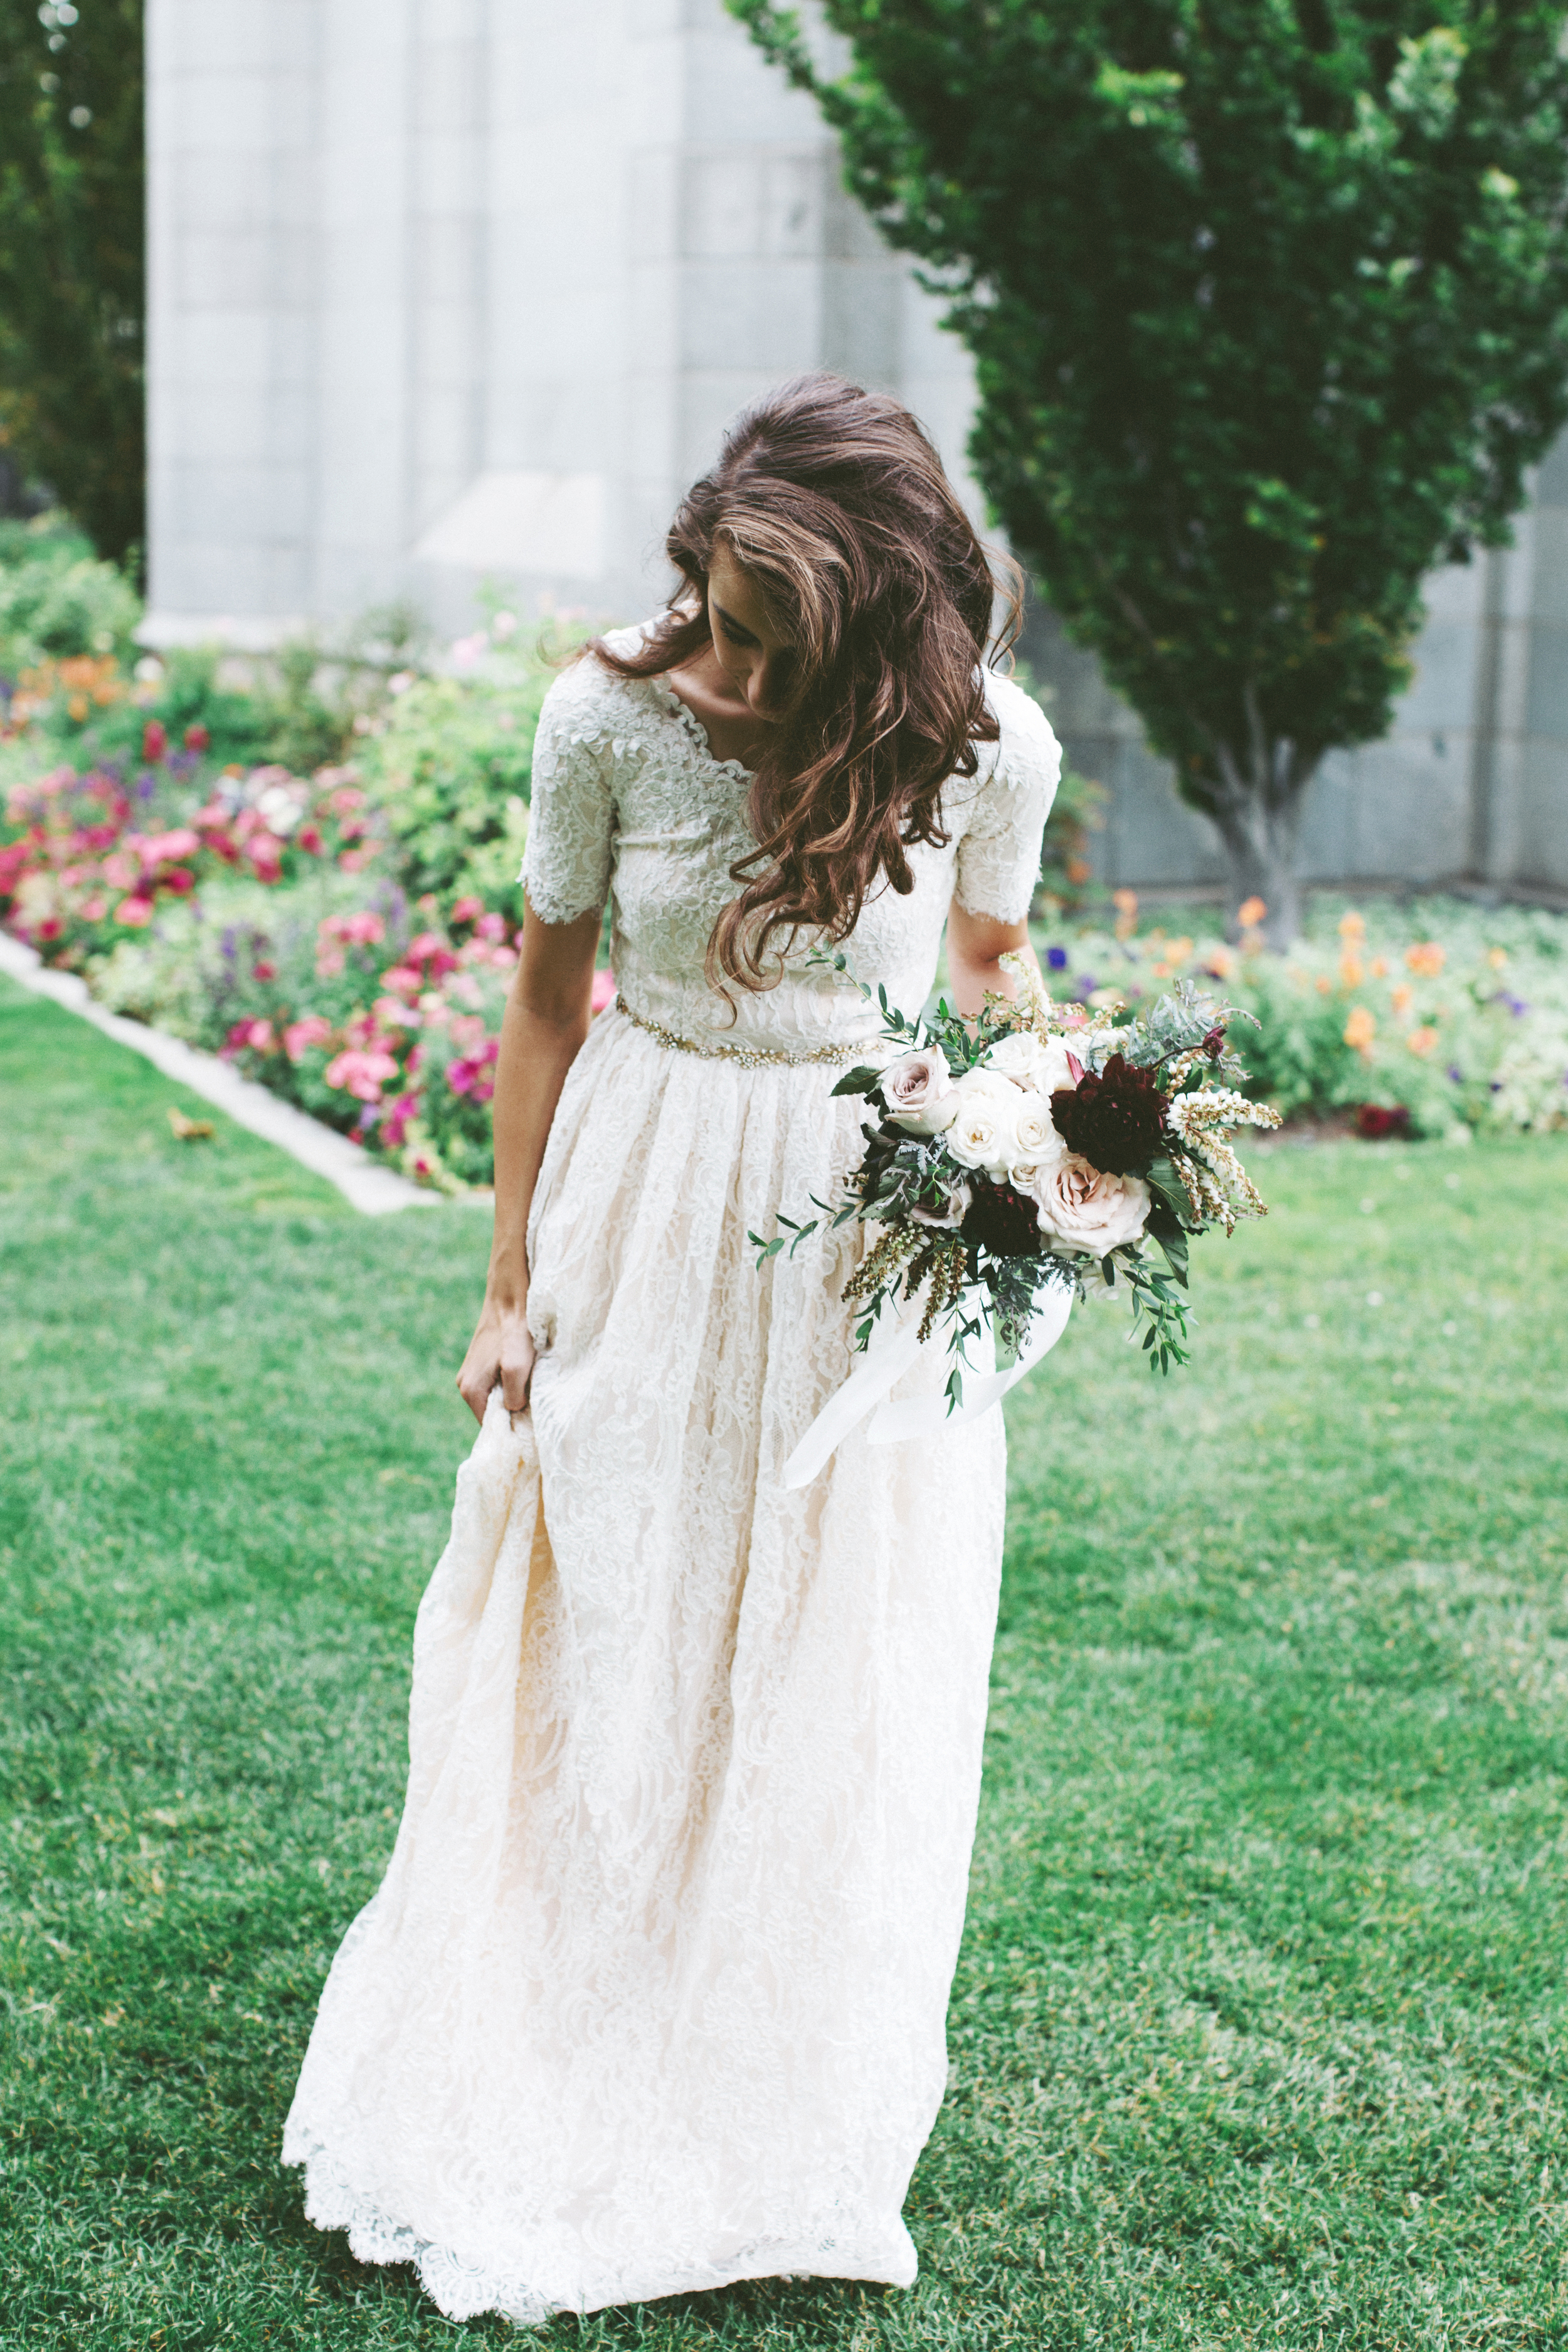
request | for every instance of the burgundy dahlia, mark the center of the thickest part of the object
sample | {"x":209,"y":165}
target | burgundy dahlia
{"x":1114,"y":1120}
{"x":1005,"y":1221}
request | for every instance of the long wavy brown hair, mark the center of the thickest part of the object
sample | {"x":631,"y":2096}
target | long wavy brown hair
{"x":835,"y":502}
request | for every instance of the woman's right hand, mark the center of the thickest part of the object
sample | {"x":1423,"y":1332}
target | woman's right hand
{"x":501,"y":1354}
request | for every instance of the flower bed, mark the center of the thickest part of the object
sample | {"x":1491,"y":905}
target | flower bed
{"x":1438,"y":1018}
{"x":347,"y":937}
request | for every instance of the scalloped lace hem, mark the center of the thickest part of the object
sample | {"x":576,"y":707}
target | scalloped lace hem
{"x":463,"y":2290}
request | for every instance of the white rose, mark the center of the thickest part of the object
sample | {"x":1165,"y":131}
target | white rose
{"x":1086,"y":1210}
{"x":984,"y":1129}
{"x":918,"y":1093}
{"x":1041,"y":1063}
{"x":950,"y":1217}
{"x":1034,"y":1136}
{"x":1030,"y":1175}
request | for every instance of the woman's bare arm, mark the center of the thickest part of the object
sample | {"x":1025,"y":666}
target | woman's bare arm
{"x":547,"y":1016}
{"x":976,"y":943}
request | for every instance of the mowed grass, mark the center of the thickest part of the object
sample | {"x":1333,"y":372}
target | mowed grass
{"x":1258,"y":2032}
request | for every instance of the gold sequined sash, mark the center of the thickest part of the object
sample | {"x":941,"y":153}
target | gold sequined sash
{"x":749,"y":1057}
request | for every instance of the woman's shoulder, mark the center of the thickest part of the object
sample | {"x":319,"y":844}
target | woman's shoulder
{"x":590,"y":703}
{"x":1028,"y":754}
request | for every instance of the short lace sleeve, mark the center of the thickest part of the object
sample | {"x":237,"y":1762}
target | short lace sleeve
{"x":999,"y":854}
{"x":570,"y":818}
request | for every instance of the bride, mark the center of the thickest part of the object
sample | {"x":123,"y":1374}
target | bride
{"x":652,"y":1996}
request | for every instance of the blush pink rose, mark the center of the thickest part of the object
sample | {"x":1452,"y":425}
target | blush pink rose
{"x":1084,"y":1209}
{"x":919,"y":1094}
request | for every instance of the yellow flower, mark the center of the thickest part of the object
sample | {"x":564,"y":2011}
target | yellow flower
{"x":1496,"y":957}
{"x":1360,"y":1029}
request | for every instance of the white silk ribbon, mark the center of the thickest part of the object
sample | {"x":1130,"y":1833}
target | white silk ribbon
{"x":892,"y":1349}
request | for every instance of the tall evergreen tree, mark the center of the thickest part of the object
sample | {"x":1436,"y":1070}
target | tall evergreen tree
{"x":1269,"y":305}
{"x":71,"y":259}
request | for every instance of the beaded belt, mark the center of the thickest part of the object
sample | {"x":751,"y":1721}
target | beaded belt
{"x":749,"y":1057}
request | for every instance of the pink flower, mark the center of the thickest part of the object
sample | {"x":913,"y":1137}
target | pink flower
{"x":120,"y":871}
{"x":394,"y":1126}
{"x":197,"y":739}
{"x":351,"y":860}
{"x":301,"y":1036}
{"x":393,"y":1014}
{"x":254,"y":1035}
{"x":345,"y":798}
{"x":94,"y":909}
{"x":361,"y":1074}
{"x":603,"y":991}
{"x":180,"y":843}
{"x":402,"y":980}
{"x":460,"y":1076}
{"x":466,"y":909}
{"x":154,"y":740}
{"x":490,"y":927}
{"x":135,"y":911}
{"x":179,"y":879}
{"x":262,"y":970}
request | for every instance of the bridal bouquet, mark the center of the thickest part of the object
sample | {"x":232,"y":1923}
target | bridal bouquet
{"x":1038,"y":1151}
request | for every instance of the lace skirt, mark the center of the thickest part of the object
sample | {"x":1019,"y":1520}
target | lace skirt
{"x":651,"y":1998}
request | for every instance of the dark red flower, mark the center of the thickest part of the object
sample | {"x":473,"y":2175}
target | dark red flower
{"x":1115,"y":1120}
{"x":1375,"y":1119}
{"x":197,"y":739}
{"x":154,"y":740}
{"x":1005,"y":1221}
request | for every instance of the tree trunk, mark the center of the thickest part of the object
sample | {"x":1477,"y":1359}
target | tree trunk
{"x":1256,"y":805}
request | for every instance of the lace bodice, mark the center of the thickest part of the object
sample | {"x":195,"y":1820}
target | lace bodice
{"x":628,"y":802}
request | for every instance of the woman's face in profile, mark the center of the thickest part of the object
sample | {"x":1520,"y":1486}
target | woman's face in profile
{"x":750,"y":648}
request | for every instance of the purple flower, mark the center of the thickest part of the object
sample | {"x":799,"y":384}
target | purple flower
{"x":1086,"y":983}
{"x":146,"y":786}
{"x":1456,"y":1074}
{"x":227,"y":946}
{"x":1516,"y":1006}
{"x":1056,"y":958}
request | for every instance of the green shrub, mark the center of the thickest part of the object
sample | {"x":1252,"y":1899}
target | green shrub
{"x":450,"y":767}
{"x":57,"y":601}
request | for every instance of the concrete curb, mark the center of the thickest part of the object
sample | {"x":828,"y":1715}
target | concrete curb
{"x":375,"y":1190}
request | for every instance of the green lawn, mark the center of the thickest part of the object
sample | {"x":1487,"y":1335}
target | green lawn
{"x":1258,"y":2035}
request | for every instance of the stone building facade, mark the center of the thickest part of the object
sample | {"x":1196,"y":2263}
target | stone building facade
{"x":451,"y":291}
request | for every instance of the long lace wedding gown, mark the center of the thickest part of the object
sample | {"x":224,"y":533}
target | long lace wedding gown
{"x":652,"y":1996}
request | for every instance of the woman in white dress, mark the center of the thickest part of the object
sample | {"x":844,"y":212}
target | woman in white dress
{"x":652,"y":1996}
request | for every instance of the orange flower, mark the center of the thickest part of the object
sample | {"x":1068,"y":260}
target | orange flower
{"x":1496,"y":957}
{"x":1401,"y":997}
{"x":1322,"y":983}
{"x":1427,"y":958}
{"x":1179,"y":951}
{"x":1251,"y":913}
{"x":1352,"y":971}
{"x":1379,"y":967}
{"x":1421,"y":1041}
{"x":1219,"y":962}
{"x":1360,"y":1029}
{"x":1352,"y":927}
{"x":1126,"y":904}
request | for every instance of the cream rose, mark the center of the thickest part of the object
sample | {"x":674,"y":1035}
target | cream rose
{"x":1041,"y":1063}
{"x":1086,"y":1210}
{"x":984,"y":1129}
{"x":919,"y":1094}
